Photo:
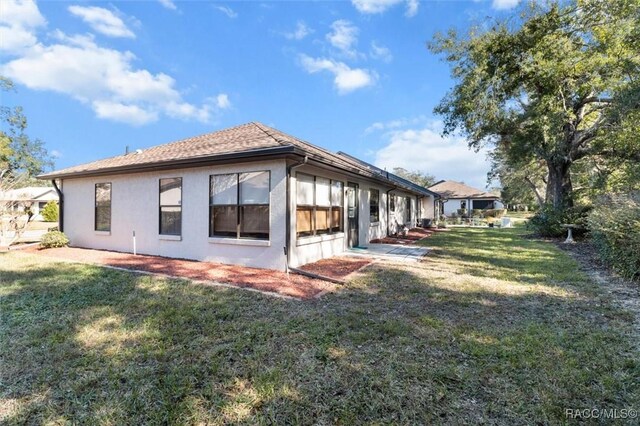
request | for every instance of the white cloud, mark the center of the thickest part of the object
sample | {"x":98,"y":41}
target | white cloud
{"x":168,"y":4}
{"x":106,"y":80}
{"x":346,"y":79}
{"x":426,"y":150}
{"x":504,"y":4}
{"x":222,"y":101}
{"x":56,"y":154}
{"x":301,"y":31}
{"x":343,"y":37}
{"x":396,"y":124}
{"x":370,"y":7}
{"x":131,"y":114}
{"x":227,"y":11}
{"x":380,"y":52}
{"x":412,"y":8}
{"x":19,"y":20}
{"x":102,"y":20}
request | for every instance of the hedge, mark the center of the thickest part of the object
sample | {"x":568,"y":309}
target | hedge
{"x":615,"y":231}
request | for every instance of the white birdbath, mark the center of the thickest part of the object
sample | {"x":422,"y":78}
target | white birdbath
{"x":570,"y":227}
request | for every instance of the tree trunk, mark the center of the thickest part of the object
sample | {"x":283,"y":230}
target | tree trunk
{"x":535,"y":190}
{"x":559,"y":188}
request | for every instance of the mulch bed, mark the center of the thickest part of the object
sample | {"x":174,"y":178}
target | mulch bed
{"x":338,"y":268}
{"x":414,"y":235}
{"x":266,"y":280}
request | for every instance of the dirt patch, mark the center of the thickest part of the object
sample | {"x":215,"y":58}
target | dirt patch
{"x":337,"y":267}
{"x":624,"y":292}
{"x":414,"y":235}
{"x":259,"y":279}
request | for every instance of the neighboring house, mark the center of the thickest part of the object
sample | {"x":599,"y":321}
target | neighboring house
{"x":250,"y":195}
{"x":456,"y":196}
{"x":33,"y":198}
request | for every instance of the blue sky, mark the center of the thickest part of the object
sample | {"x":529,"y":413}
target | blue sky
{"x":353,"y":76}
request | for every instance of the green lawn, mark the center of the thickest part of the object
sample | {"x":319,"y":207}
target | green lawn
{"x":491,"y":328}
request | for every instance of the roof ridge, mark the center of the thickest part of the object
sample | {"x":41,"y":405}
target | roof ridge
{"x":261,"y":127}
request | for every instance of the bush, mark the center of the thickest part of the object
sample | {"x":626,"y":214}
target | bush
{"x":494,"y":213}
{"x":615,"y":230}
{"x":50,"y":212}
{"x":547,"y":222}
{"x":54,"y":239}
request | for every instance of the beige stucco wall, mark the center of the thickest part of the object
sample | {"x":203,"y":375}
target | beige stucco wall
{"x":134,"y":207}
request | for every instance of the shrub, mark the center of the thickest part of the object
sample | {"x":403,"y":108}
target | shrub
{"x":50,"y":212}
{"x":615,"y":231}
{"x":494,"y":212}
{"x":547,"y":222}
{"x":54,"y":239}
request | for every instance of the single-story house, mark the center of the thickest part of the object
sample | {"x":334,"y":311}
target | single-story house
{"x":33,"y":198}
{"x":456,"y":197}
{"x":249,"y":195}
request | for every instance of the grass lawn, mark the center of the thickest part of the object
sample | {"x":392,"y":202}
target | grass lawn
{"x":491,"y":328}
{"x":39,"y":226}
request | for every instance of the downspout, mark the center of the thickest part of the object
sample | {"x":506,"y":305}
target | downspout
{"x":287,"y":247}
{"x":389,"y":210}
{"x":60,"y":205}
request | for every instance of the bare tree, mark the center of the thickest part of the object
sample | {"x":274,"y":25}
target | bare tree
{"x":15,"y":208}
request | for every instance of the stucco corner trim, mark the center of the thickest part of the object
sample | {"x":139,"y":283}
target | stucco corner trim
{"x":318,"y":239}
{"x":102,"y":233}
{"x":239,"y":242}
{"x":170,"y":237}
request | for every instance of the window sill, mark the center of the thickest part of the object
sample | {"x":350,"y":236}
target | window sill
{"x":170,"y":237}
{"x":102,"y":233}
{"x":239,"y":242}
{"x":303,"y":241}
{"x":374,"y":224}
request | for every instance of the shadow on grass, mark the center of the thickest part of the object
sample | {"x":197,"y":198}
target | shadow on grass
{"x":89,"y":345}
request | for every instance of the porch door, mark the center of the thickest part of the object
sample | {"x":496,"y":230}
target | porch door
{"x":352,"y":214}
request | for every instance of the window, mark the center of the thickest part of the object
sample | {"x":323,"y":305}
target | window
{"x":374,"y":205}
{"x":407,"y":212}
{"x":171,"y":206}
{"x":392,"y":203}
{"x":103,"y":207}
{"x":319,"y":206}
{"x":239,"y":205}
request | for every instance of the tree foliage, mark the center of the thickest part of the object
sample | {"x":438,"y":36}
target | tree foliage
{"x":50,"y":211}
{"x":19,"y":154}
{"x":551,"y":88}
{"x":415,"y":176}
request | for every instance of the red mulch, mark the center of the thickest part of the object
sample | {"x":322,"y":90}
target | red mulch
{"x":414,"y":234}
{"x":337,"y":267}
{"x":260,"y":279}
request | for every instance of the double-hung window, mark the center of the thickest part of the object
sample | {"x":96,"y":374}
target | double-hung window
{"x":102,"y":217}
{"x":374,"y":206}
{"x":171,"y":206}
{"x":239,"y":205}
{"x":319,"y":206}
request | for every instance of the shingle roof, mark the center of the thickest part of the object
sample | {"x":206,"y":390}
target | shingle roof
{"x":453,"y":189}
{"x":390,"y":176}
{"x":247,"y":138}
{"x":27,"y":193}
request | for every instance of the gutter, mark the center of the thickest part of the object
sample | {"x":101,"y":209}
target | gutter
{"x":287,"y":247}
{"x":257,"y":154}
{"x":60,"y":205}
